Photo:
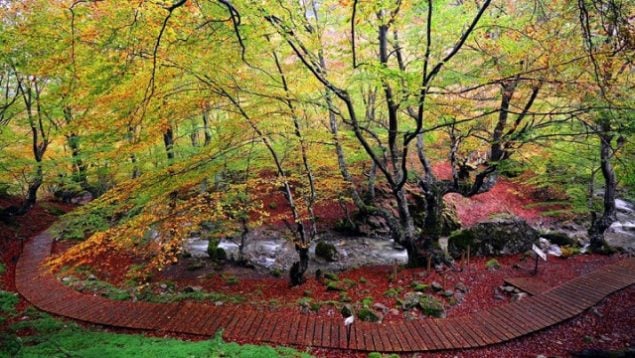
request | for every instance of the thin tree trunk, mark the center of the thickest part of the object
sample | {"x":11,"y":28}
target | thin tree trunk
{"x":609,"y":215}
{"x":206,"y":131}
{"x":168,"y":141}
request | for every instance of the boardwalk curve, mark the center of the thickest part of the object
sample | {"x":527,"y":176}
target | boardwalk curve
{"x":499,"y":324}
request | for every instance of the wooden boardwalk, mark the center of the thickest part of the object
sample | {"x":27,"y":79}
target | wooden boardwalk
{"x":499,"y":324}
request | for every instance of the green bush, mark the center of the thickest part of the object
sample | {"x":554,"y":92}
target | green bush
{"x":3,"y":268}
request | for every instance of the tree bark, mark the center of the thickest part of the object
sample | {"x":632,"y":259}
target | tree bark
{"x":206,"y":131}
{"x":168,"y":141}
{"x":609,"y":215}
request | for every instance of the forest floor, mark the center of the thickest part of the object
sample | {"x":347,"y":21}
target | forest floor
{"x":609,"y":326}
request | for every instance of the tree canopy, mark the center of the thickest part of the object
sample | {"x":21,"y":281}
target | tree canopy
{"x":181,"y":113}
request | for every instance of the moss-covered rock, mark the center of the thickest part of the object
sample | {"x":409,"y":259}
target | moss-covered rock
{"x":326,"y":251}
{"x":502,"y":236}
{"x":216,"y":254}
{"x":368,"y":315}
{"x":431,"y":306}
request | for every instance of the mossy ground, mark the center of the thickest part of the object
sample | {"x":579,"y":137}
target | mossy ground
{"x":41,"y":335}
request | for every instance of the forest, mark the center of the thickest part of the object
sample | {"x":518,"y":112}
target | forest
{"x":393,"y":161}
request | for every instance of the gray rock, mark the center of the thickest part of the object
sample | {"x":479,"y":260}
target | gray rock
{"x":461,"y":287}
{"x":380,"y":307}
{"x":394,"y":312}
{"x":410,"y":300}
{"x":448,"y":293}
{"x":436,"y":286}
{"x":459,"y":296}
{"x":518,"y":296}
{"x":497,"y":294}
{"x":508,"y":288}
{"x":189,"y":289}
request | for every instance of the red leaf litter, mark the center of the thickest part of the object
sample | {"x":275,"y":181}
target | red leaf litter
{"x":506,"y":197}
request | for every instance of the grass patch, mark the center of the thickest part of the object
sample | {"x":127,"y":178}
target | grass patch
{"x":54,"y":338}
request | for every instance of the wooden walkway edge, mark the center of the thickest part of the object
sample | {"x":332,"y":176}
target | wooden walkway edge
{"x":503,"y":323}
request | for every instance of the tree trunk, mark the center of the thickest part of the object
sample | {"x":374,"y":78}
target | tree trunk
{"x":79,"y":168}
{"x":168,"y":140}
{"x":298,"y":268}
{"x":206,"y":131}
{"x":609,"y":215}
{"x":194,"y":135}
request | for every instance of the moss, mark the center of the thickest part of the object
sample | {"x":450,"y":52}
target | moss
{"x":461,"y":239}
{"x":431,"y":306}
{"x":334,"y":286}
{"x":53,"y":338}
{"x":392,"y":292}
{"x":367,"y":315}
{"x":8,"y":301}
{"x":331,"y":276}
{"x":419,"y":286}
{"x":3,"y":269}
{"x":349,"y":283}
{"x":568,"y":251}
{"x":326,"y":251}
{"x":216,"y":254}
{"x":492,"y":264}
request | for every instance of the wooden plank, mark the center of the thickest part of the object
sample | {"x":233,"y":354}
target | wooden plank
{"x":455,"y":327}
{"x":440,"y":341}
{"x":419,"y":337}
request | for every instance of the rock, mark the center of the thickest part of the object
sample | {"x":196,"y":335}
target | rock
{"x":508,"y":288}
{"x":368,"y":315}
{"x":67,"y":279}
{"x":410,"y":300}
{"x":331,"y":276}
{"x":190,"y":289}
{"x":502,"y":236}
{"x":518,"y":296}
{"x":559,"y":238}
{"x":394,"y":312}
{"x":380,"y":307}
{"x":219,"y":303}
{"x":346,"y":311}
{"x":448,"y":293}
{"x":431,"y":306}
{"x":461,"y":287}
{"x":326,"y":251}
{"x":410,"y":315}
{"x":436,"y":286}
{"x":596,"y":312}
{"x":163,"y":286}
{"x":92,"y":277}
{"x":497,"y":294}
{"x":334,"y":286}
{"x":459,"y":296}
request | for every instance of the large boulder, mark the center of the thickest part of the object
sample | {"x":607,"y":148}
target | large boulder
{"x":501,"y":236}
